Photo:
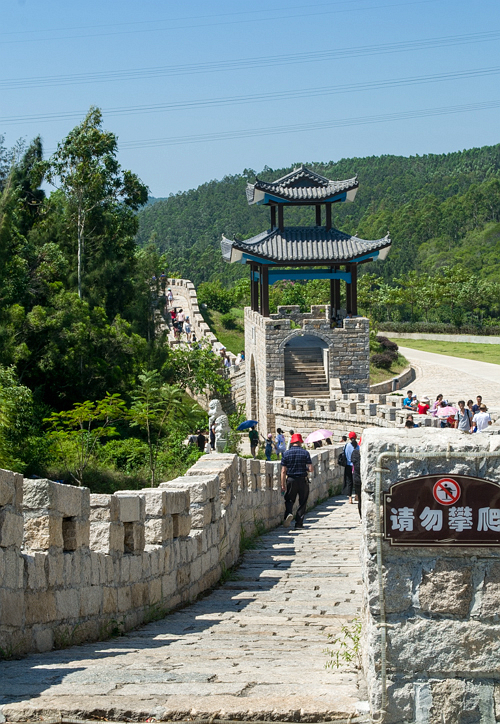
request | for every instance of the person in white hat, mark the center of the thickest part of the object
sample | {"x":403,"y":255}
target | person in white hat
{"x":423,"y":406}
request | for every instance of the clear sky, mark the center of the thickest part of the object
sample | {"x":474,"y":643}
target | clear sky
{"x":262,"y":83}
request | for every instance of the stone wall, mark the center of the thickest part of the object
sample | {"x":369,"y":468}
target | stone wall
{"x":265,"y":340}
{"x":77,"y":567}
{"x":442,"y":605}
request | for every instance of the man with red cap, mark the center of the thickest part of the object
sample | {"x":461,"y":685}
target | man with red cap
{"x":348,"y":481}
{"x":295,"y":464}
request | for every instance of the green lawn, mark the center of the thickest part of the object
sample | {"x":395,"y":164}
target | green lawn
{"x":232,"y":339}
{"x":479,"y":352}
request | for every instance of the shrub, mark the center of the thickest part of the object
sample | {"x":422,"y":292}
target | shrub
{"x":440,"y":328}
{"x":384,"y":360}
{"x":228,"y":321}
{"x":216,"y":297}
{"x":387,"y":344}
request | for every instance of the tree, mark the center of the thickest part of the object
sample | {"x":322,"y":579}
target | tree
{"x":88,"y":173}
{"x":157,"y":408}
{"x":198,"y":369}
{"x":78,"y":431}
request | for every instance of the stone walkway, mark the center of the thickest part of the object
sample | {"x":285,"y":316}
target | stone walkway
{"x":455,"y":377}
{"x":253,"y":648}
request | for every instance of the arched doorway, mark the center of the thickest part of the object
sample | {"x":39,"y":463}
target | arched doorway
{"x":306,"y":367}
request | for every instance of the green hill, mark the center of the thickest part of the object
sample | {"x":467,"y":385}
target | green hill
{"x":440,"y":209}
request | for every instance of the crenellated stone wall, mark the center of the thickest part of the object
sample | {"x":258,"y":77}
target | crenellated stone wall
{"x":441,"y":605}
{"x":77,"y":567}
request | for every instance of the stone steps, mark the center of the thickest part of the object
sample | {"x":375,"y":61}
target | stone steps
{"x":305,"y":374}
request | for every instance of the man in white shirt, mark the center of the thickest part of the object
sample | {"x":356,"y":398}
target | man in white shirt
{"x":482,"y":419}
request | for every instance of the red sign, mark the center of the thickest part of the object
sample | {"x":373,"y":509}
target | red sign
{"x":437,"y":510}
{"x":446,"y":491}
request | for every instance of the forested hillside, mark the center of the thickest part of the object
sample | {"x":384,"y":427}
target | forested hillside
{"x":441,"y":210}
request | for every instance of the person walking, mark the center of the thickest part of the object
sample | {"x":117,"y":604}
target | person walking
{"x":482,"y":419}
{"x":356,"y":473}
{"x":254,"y":440}
{"x":268,"y":450}
{"x":463,"y":418}
{"x":201,"y":441}
{"x":295,"y":464}
{"x":348,"y":481}
{"x":280,"y":443}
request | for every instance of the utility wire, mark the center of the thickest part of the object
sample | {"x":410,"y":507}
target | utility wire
{"x":248,"y":63}
{"x":281,"y":17}
{"x":259,"y":98}
{"x":307,"y":127}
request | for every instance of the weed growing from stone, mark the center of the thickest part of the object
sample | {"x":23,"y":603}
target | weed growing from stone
{"x":347,"y":646}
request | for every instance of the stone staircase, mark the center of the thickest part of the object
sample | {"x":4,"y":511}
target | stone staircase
{"x":305,"y":373}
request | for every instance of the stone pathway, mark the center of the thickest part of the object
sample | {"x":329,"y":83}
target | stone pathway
{"x":253,"y":648}
{"x":455,"y":377}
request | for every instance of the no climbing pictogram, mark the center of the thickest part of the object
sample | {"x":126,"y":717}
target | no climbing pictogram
{"x":446,"y":491}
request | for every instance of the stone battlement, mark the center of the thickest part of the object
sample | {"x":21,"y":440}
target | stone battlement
{"x":75,"y":566}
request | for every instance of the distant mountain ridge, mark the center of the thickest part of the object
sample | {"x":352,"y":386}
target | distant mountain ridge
{"x":441,"y":209}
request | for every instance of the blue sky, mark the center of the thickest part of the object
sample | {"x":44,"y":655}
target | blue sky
{"x":216,"y":69}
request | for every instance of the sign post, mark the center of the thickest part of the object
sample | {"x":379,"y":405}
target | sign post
{"x":437,"y":510}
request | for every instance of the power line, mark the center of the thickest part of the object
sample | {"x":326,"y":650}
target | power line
{"x":306,"y":127}
{"x":281,"y":17}
{"x":248,"y":63}
{"x":259,"y":98}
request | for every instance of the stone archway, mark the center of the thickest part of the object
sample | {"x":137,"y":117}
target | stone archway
{"x":306,"y":366}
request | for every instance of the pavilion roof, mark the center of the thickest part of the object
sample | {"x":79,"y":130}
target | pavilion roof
{"x":302,"y":186}
{"x":303,"y":245}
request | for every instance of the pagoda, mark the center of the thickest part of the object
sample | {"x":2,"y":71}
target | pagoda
{"x":304,"y":252}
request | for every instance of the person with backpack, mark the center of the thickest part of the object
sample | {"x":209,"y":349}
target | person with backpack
{"x":356,"y":473}
{"x":348,"y":480}
{"x":295,"y":464}
{"x":463,"y":418}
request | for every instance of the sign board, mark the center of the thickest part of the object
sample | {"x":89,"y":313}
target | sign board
{"x":442,"y":510}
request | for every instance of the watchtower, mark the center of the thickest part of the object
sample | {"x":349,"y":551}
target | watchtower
{"x":328,"y":348}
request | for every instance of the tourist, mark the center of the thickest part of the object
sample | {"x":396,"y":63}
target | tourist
{"x":410,"y":401}
{"x":356,"y":473}
{"x":280,"y":443}
{"x":237,"y":361}
{"x":328,"y":441}
{"x":201,"y":441}
{"x":348,"y":481}
{"x":477,"y":407}
{"x":423,"y":406}
{"x":212,"y":436}
{"x":227,"y":361}
{"x":343,"y":439}
{"x":173,"y":314}
{"x":181,"y":318}
{"x":482,"y":419}
{"x":317,"y":444}
{"x":295,"y":464}
{"x":463,"y":418}
{"x":410,"y":419}
{"x":254,"y":440}
{"x":410,"y":424}
{"x":436,"y":404}
{"x":291,"y":433}
{"x":170,"y":296}
{"x":187,"y":329}
{"x":269,"y":446}
{"x":242,"y":354}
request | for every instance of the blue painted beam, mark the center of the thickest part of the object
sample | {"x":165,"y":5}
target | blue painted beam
{"x":276,"y":275}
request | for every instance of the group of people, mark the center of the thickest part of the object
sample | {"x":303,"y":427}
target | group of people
{"x":470,"y":417}
{"x":181,"y":325}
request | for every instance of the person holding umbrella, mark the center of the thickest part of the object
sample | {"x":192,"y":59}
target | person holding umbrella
{"x":253,"y":434}
{"x":295,"y":464}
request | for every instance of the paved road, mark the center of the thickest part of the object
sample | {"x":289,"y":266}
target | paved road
{"x":455,"y":377}
{"x":253,"y":648}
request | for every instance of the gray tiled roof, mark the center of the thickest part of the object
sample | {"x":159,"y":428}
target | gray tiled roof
{"x":304,"y":244}
{"x":301,"y":185}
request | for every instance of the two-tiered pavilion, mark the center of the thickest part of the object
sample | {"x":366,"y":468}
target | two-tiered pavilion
{"x":303,"y":252}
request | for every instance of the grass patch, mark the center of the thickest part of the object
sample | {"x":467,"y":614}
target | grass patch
{"x":380,"y":375}
{"x":232,"y":339}
{"x":466,"y":350}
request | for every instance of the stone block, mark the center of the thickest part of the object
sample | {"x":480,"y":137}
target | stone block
{"x":490,"y":605}
{"x":155,"y":502}
{"x":11,"y":607}
{"x":154,"y":591}
{"x":177,"y":500}
{"x":43,"y":639}
{"x":68,"y":604}
{"x":447,"y":588}
{"x":124,"y":598}
{"x":36,"y":571}
{"x":131,"y":507}
{"x":104,"y":508}
{"x":201,"y":515}
{"x":109,"y":599}
{"x":181,"y":525}
{"x":90,"y":600}
{"x":40,"y":607}
{"x":11,"y":528}
{"x":158,"y":530}
{"x":11,"y":489}
{"x":133,"y":539}
{"x":42,"y":532}
{"x":107,"y":537}
{"x":139,"y":595}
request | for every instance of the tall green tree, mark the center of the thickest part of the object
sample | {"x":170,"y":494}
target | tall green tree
{"x":98,"y":192}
